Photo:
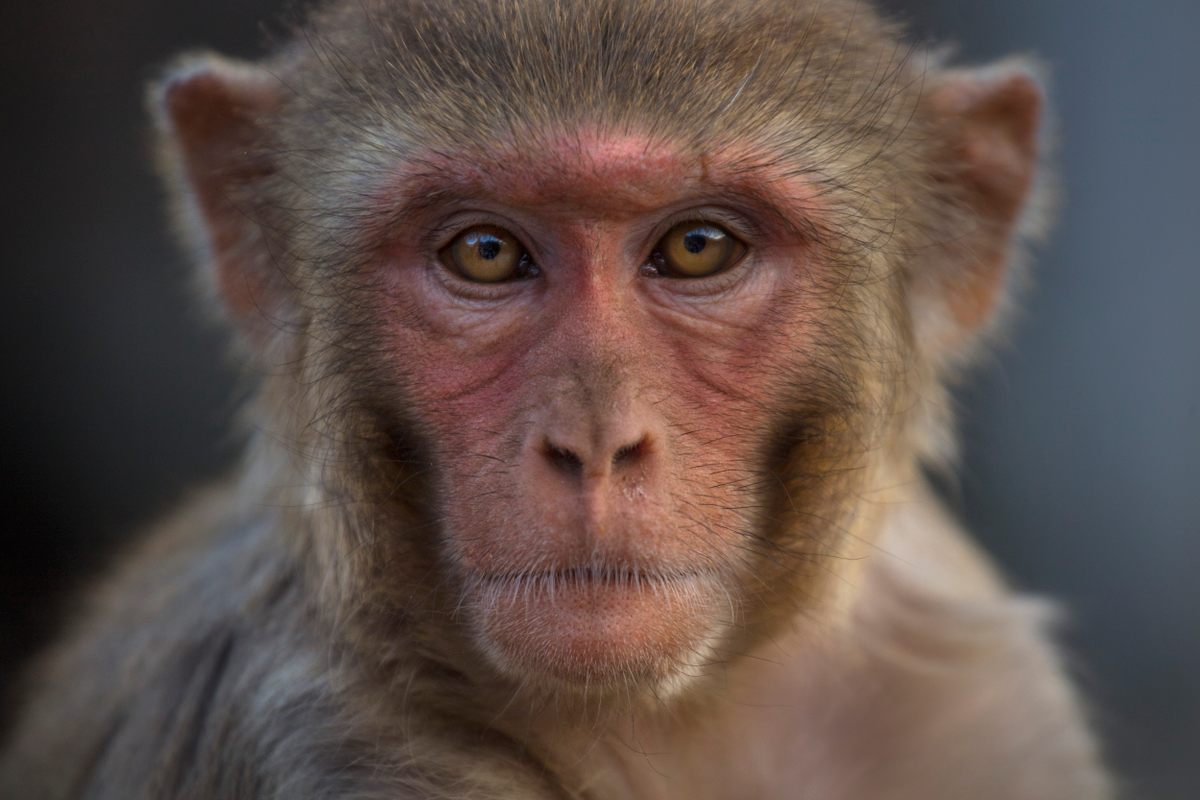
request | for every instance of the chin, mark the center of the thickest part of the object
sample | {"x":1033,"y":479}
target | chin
{"x":591,"y":630}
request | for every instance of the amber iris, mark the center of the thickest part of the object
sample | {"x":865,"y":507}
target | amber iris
{"x":697,"y":250}
{"x":486,"y":254}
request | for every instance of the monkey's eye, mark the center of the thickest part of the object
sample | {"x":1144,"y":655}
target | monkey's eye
{"x":488,"y":254}
{"x":695,"y":250}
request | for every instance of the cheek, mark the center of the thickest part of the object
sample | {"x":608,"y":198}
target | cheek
{"x":459,"y":365}
{"x":730,"y":381}
{"x":463,"y":384}
{"x":732,"y":360}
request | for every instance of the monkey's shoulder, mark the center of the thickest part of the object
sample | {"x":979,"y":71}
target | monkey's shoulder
{"x":195,"y":669}
{"x":151,"y":657}
{"x":155,"y":665}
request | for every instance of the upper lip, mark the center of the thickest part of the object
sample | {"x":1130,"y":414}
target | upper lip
{"x":602,"y":573}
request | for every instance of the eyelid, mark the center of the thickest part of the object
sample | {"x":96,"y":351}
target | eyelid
{"x":715,"y":286}
{"x":476,"y":292}
{"x":741,"y":227}
{"x":443,"y":233}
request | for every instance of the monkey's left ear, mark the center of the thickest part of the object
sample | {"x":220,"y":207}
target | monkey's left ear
{"x":216,"y":152}
{"x":987,"y":123}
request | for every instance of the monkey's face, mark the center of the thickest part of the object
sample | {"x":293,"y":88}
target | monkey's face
{"x":649,"y":298}
{"x":605,"y":348}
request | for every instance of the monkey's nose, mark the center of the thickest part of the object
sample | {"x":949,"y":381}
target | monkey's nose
{"x":576,"y":461}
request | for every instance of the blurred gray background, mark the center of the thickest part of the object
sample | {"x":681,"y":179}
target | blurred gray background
{"x":1082,"y":465}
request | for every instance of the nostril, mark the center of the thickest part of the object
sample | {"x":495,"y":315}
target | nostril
{"x":574,"y":463}
{"x":631,"y":453}
{"x":562,"y":459}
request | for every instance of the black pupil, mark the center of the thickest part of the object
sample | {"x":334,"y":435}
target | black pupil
{"x":694,"y":242}
{"x":490,"y":247}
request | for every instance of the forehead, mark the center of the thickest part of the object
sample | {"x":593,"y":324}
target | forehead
{"x":583,"y":168}
{"x":460,"y":70}
{"x":605,"y":173}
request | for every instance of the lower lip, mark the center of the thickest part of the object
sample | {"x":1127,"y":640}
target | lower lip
{"x":580,"y":628}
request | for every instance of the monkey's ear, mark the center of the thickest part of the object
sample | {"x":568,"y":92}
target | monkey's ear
{"x":988,"y":124}
{"x":215,"y":150}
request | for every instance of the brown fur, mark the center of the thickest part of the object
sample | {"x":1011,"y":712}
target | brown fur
{"x":296,"y":632}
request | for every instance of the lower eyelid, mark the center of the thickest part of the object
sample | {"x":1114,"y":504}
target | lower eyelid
{"x":715,"y":284}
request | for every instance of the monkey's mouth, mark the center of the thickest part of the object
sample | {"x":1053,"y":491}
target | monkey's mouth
{"x":595,"y":625}
{"x":591,"y":575}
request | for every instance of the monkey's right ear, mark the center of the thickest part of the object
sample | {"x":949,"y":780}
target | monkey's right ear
{"x":216,"y":153}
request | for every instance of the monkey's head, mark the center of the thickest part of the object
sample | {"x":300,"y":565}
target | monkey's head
{"x":593,"y":334}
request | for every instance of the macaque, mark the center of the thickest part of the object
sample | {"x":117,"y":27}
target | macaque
{"x":600,"y":352}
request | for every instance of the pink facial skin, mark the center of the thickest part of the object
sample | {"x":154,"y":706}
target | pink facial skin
{"x":621,"y":563}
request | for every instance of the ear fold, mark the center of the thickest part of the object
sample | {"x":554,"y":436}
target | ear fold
{"x":987,"y":122}
{"x":216,"y":151}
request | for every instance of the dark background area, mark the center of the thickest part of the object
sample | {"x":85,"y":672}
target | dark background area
{"x":1082,"y":457}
